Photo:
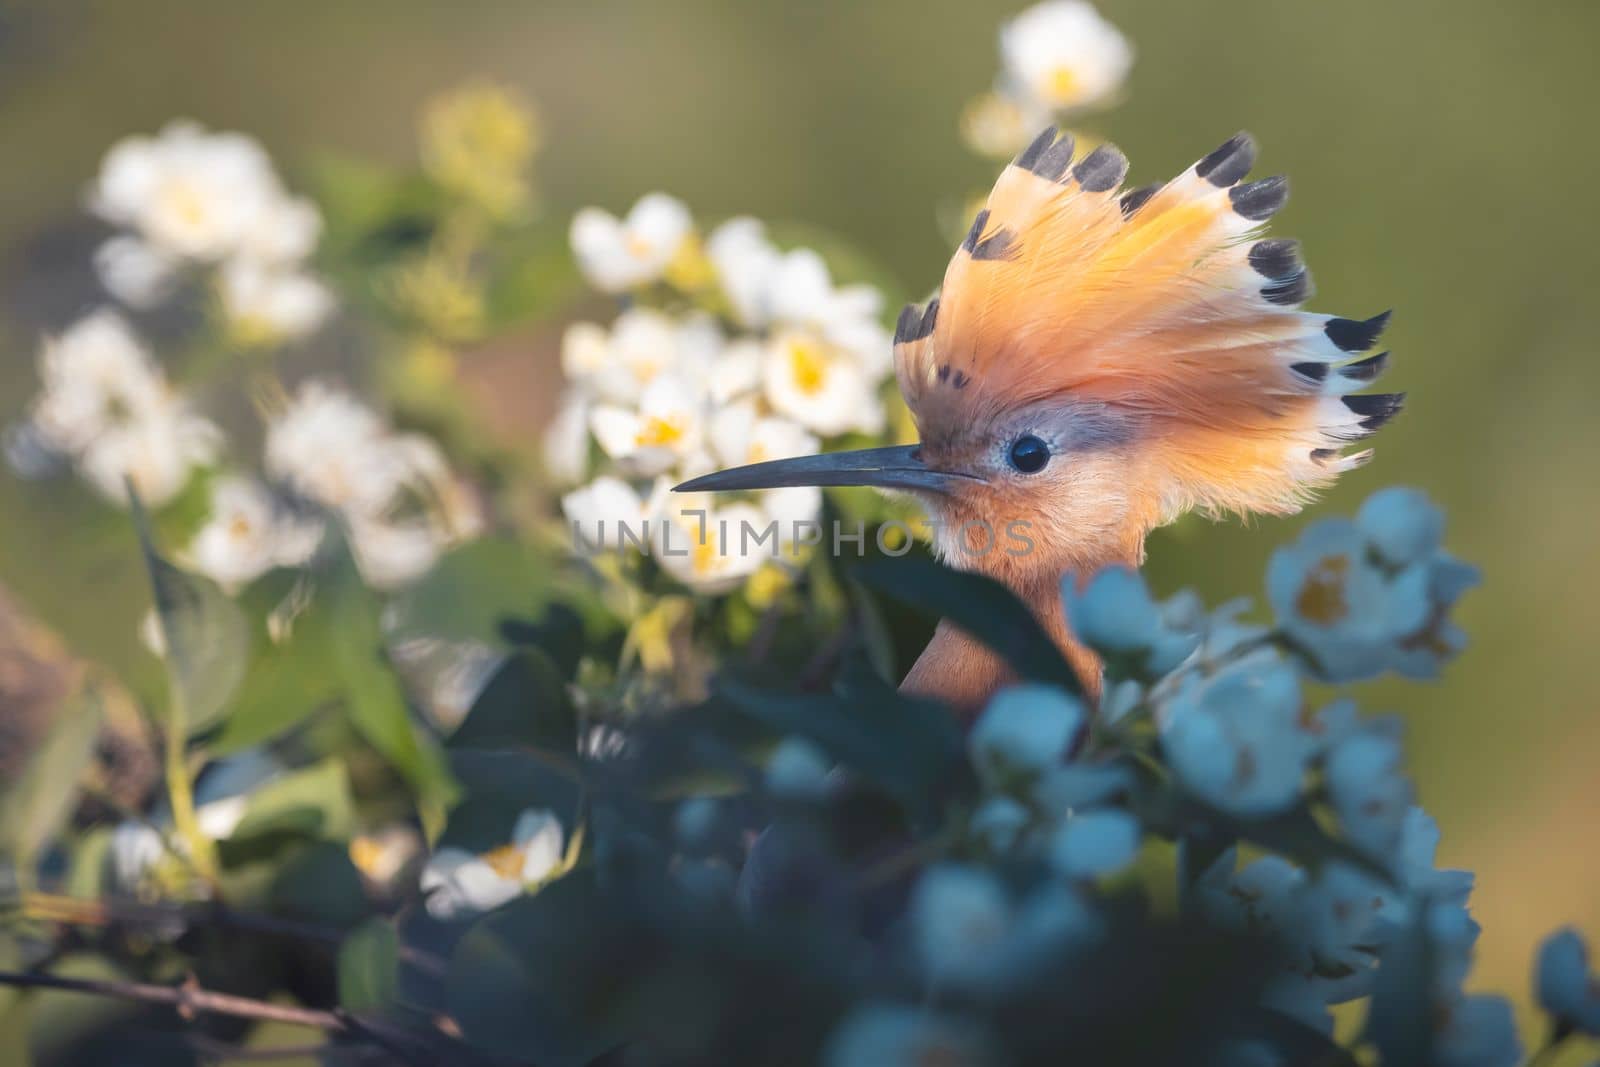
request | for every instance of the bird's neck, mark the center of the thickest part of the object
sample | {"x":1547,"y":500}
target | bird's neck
{"x":960,"y":671}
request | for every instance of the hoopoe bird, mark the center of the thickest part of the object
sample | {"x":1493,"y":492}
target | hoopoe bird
{"x":1098,"y":362}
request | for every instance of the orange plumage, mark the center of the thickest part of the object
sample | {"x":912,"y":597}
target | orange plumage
{"x":1159,"y":304}
{"x":1096,"y":363}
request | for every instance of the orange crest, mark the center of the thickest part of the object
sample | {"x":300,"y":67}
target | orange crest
{"x":1160,"y":305}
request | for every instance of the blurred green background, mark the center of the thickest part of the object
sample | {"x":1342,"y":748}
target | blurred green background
{"x":1440,"y":153}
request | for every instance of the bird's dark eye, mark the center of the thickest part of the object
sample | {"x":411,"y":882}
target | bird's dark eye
{"x":1029,"y":454}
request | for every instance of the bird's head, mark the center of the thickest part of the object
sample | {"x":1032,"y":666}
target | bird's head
{"x":1098,"y":362}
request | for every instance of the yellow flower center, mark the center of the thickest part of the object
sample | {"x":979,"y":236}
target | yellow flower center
{"x":1321,"y":599}
{"x":187,"y":204}
{"x":366,"y":853}
{"x":691,"y":269}
{"x":1063,"y":84}
{"x":639,"y":247}
{"x":239,"y":529}
{"x":808,"y":364}
{"x":645,"y":370}
{"x":658,"y":432}
{"x":506,"y":861}
{"x":703,"y":557}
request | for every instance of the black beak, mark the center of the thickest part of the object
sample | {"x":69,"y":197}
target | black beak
{"x":896,"y":467}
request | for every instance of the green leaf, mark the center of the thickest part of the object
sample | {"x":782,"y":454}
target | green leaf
{"x":472,"y":591}
{"x":525,"y":703}
{"x":376,"y":699}
{"x":286,"y":683}
{"x":315,"y":802}
{"x":537,"y":277}
{"x":979,"y":605}
{"x":369,"y":967}
{"x":206,"y":638}
{"x":318,"y":883}
{"x":36,"y":806}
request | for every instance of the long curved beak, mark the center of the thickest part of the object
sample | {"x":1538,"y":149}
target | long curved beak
{"x":895,"y":467}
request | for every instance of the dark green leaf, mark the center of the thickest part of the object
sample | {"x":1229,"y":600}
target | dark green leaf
{"x":979,"y":605}
{"x":558,"y":633}
{"x":38,"y":803}
{"x":318,"y":883}
{"x":369,"y":967}
{"x":525,"y":703}
{"x":499,"y":785}
{"x":538,"y":980}
{"x":206,"y":638}
{"x":909,"y":746}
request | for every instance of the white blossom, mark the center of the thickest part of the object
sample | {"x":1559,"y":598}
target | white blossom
{"x":331,"y":447}
{"x":459,"y":883}
{"x":566,"y":442}
{"x":156,"y":453}
{"x":1062,"y":55}
{"x":667,"y":425}
{"x":744,"y":261}
{"x":393,"y":552}
{"x":248,"y":534}
{"x":189,"y":193}
{"x":96,"y":375}
{"x":709,"y":545}
{"x":272,"y":303}
{"x":620,"y":254}
{"x":134,"y":271}
{"x":820,"y":386}
{"x":604,"y":513}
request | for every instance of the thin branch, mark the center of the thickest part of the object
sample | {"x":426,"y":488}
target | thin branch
{"x":189,"y":1001}
{"x":77,"y":912}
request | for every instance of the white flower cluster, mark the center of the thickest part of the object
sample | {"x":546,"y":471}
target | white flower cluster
{"x":188,"y":198}
{"x":194,"y":199}
{"x":1059,"y":58}
{"x":106,"y":405}
{"x":771,"y":360}
{"x":395,"y":493}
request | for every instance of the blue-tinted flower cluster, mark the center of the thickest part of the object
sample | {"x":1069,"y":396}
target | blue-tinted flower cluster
{"x":1203,"y":734}
{"x":1358,"y":598}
